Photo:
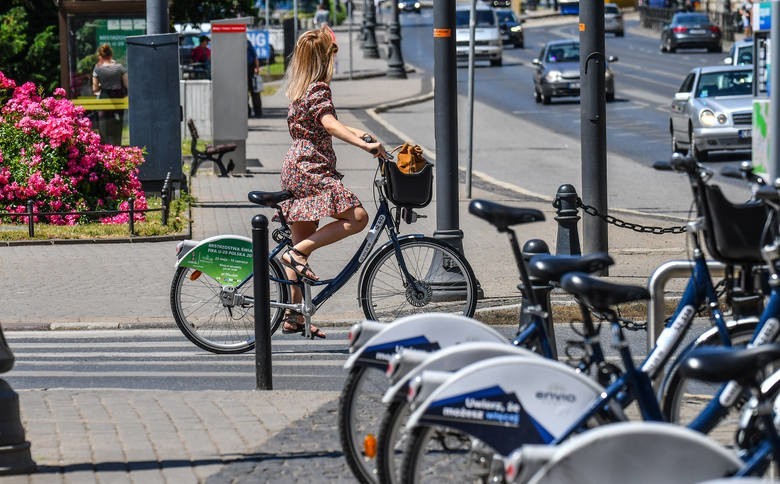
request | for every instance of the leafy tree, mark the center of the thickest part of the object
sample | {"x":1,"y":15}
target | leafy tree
{"x":29,"y":47}
{"x":200,"y":11}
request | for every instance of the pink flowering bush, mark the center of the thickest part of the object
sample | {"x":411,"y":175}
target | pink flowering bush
{"x":49,"y":155}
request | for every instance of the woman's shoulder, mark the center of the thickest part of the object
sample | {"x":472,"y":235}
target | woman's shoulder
{"x":318,"y":87}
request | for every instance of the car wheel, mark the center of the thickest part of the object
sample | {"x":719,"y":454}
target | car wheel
{"x":610,"y":96}
{"x":716,"y":48}
{"x":619,"y":33}
{"x":497,"y":62}
{"x":520,"y":45}
{"x":669,"y":46}
{"x":545,"y":98}
{"x":675,"y":146}
{"x":537,"y":96}
{"x":697,"y":154}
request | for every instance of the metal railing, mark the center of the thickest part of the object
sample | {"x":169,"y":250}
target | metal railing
{"x":166,"y":197}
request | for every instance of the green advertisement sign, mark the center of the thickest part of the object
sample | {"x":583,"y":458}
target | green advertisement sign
{"x":113,"y":32}
{"x":228,"y":260}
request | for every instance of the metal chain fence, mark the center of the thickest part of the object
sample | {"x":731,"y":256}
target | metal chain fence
{"x":629,"y":225}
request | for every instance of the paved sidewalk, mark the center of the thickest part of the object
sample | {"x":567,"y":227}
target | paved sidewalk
{"x":181,"y":437}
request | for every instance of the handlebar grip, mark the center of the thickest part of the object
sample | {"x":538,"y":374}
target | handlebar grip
{"x":768,"y":194}
{"x":370,"y":139}
{"x":662,"y":166}
{"x":732,"y":171}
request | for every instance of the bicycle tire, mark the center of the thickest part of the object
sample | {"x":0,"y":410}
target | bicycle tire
{"x":444,"y":455}
{"x":447,"y":280}
{"x":683,"y":398}
{"x":360,"y":411}
{"x":392,"y":441}
{"x":208,"y":323}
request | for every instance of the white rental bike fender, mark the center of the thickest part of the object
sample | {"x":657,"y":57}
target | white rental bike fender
{"x":637,"y":452}
{"x":426,"y":331}
{"x":225,"y":258}
{"x":452,"y":359}
{"x":509,"y":401}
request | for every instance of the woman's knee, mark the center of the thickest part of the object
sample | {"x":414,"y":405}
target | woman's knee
{"x":359,"y":219}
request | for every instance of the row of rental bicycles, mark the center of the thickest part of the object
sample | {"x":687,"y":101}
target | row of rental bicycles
{"x":441,"y":397}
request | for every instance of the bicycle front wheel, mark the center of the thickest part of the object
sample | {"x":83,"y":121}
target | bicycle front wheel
{"x":444,"y":455}
{"x":217,"y":320}
{"x":441,"y":281}
{"x":392,"y":442}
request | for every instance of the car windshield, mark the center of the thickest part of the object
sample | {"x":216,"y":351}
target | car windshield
{"x":484,"y":18}
{"x":613,"y":9}
{"x":691,"y":18}
{"x":505,"y":16}
{"x":730,"y":83}
{"x":745,"y":55}
{"x":563,"y":53}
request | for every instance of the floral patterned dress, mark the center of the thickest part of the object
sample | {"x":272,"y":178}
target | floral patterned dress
{"x":309,"y":167}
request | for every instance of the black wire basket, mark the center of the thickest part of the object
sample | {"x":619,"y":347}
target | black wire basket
{"x":411,"y":190}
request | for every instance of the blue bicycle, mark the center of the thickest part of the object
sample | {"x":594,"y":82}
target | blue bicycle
{"x":212,"y":291}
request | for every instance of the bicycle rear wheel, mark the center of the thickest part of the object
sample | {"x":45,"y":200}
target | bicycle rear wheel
{"x":392,"y":442}
{"x":442,"y":281}
{"x":684,"y":398}
{"x":219,"y":322}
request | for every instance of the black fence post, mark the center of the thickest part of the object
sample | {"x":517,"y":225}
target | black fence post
{"x":15,"y":457}
{"x":30,"y":221}
{"x":262,"y":295}
{"x":567,"y":216}
{"x":166,"y":198}
{"x":541,"y":289}
{"x":131,"y":213}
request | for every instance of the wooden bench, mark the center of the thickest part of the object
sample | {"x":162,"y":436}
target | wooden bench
{"x":213,"y":153}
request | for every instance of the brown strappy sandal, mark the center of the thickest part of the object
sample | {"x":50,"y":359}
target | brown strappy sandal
{"x":301,"y":270}
{"x":291,"y":325}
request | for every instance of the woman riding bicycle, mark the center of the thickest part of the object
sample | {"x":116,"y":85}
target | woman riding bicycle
{"x":309,"y":167}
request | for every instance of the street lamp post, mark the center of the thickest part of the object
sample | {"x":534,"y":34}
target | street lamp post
{"x":370,"y":50}
{"x":395,"y":61}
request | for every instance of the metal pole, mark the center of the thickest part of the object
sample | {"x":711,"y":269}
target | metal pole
{"x":267,"y":17}
{"x":774,"y":98}
{"x":370,"y":49}
{"x":395,"y":60}
{"x":263,"y":379}
{"x":445,"y":114}
{"x":349,"y":32}
{"x":593,"y":127}
{"x":295,"y":22}
{"x":470,"y":112}
{"x":156,"y":17}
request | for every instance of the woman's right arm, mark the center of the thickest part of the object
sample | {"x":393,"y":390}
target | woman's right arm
{"x":336,"y":128}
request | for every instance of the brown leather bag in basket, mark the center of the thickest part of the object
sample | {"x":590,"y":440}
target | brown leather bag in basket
{"x":410,"y":159}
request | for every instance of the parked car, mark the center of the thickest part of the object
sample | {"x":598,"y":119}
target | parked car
{"x":511,"y":27}
{"x":487,"y":37}
{"x":740,"y":54}
{"x":691,"y":30}
{"x":712,"y":111}
{"x":613,"y":19}
{"x":409,"y":6}
{"x":557,"y":72}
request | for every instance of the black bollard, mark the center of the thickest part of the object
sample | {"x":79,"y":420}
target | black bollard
{"x":262,"y":310}
{"x":370,"y":48}
{"x":15,"y":457}
{"x":567,"y":216}
{"x":541,"y":289}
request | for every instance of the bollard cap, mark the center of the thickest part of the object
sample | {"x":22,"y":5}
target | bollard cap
{"x":535,"y":246}
{"x":566,"y":189}
{"x":259,"y":221}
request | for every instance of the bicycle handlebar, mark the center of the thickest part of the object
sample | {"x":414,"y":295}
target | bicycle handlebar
{"x":743,"y":172}
{"x":370,"y":139}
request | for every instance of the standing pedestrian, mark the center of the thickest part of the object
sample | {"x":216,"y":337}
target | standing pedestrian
{"x":309,"y":167}
{"x":746,"y":10}
{"x":321,"y":16}
{"x":109,"y":81}
{"x":253,"y":69}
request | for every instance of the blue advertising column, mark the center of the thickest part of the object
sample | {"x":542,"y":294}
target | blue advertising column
{"x":229,"y":87}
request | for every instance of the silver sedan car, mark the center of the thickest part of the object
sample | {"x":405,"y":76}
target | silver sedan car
{"x":712,"y":111}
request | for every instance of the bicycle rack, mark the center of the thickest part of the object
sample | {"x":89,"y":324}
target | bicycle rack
{"x":674,"y":269}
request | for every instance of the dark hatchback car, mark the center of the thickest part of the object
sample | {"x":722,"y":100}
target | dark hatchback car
{"x":557,"y":72}
{"x":510,"y":27}
{"x":691,"y":30}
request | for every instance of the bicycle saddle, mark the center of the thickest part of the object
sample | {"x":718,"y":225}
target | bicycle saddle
{"x":503,"y":216}
{"x":600,"y":294}
{"x":721,"y":363}
{"x":552,"y":267}
{"x":269,"y":199}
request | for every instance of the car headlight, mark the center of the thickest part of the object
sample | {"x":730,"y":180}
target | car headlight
{"x":708,"y":118}
{"x":517,"y":28}
{"x":553,"y":76}
{"x":416,"y":4}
